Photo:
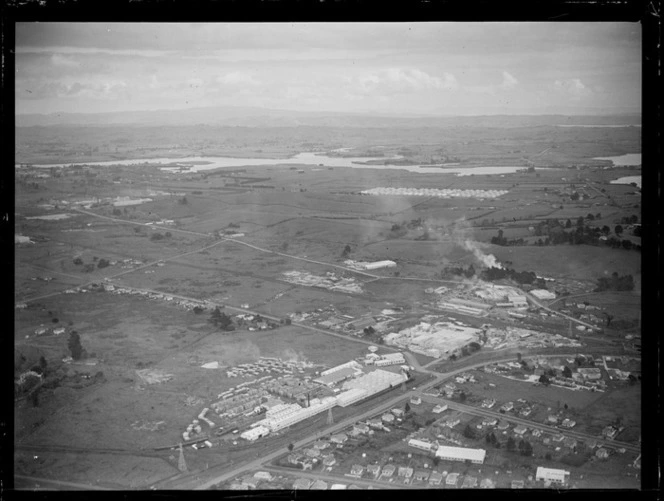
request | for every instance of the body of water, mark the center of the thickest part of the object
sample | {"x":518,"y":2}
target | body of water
{"x":622,"y":160}
{"x":197,"y":164}
{"x":628,"y":180}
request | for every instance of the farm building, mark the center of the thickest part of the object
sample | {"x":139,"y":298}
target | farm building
{"x":379,"y":264}
{"x":552,"y":475}
{"x":461,"y":454}
{"x":543,"y":294}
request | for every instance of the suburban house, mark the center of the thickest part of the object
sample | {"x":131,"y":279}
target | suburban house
{"x":313,"y":452}
{"x":302,"y":484}
{"x":405,"y":471}
{"x":421,"y":475}
{"x":469,"y":482}
{"x":339,"y":438}
{"x":387,"y":417}
{"x":357,"y":470}
{"x":374,"y":469}
{"x":520,"y":430}
{"x":602,"y":453}
{"x":439,"y":408}
{"x":397,"y":412}
{"x":263,"y":475}
{"x":319,"y":485}
{"x":517,"y":484}
{"x":415,"y":400}
{"x":487,"y":483}
{"x":569,"y":442}
{"x":452,"y":479}
{"x":435,"y":478}
{"x":388,"y":470}
{"x":329,"y":460}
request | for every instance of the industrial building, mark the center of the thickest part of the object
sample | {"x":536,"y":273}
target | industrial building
{"x":461,"y":454}
{"x":352,"y":364}
{"x":293,"y":413}
{"x":543,"y":294}
{"x":551,"y":475}
{"x":255,"y":433}
{"x":375,"y":381}
{"x":337,"y":376}
{"x":390,"y":359}
{"x":379,"y":264}
{"x":351,"y":396}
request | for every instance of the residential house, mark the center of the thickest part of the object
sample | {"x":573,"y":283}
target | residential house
{"x":405,"y":471}
{"x":568,"y":423}
{"x":362,"y":428}
{"x":338,"y":487}
{"x":487,"y":483}
{"x":439,"y":408}
{"x":329,"y":460}
{"x":552,"y":419}
{"x":321,"y":444}
{"x":319,"y":485}
{"x":375,"y":423}
{"x":339,"y":438}
{"x":263,"y":475}
{"x":374,"y":470}
{"x":302,"y":484}
{"x":489,"y":421}
{"x":508,"y":406}
{"x":354,"y":432}
{"x":435,"y":478}
{"x":452,"y":479}
{"x":415,"y":400}
{"x":602,"y":453}
{"x":452,"y":422}
{"x":388,"y":470}
{"x":536,"y":432}
{"x":520,"y":430}
{"x":503,"y":425}
{"x":591,"y":443}
{"x":250,"y":482}
{"x":488,"y":403}
{"x":469,"y":482}
{"x":312,"y":453}
{"x":570,"y":442}
{"x":525,"y":412}
{"x":387,"y":417}
{"x":610,"y":432}
{"x":397,"y":412}
{"x":559,"y":437}
{"x":517,"y":484}
{"x":357,"y":470}
{"x":421,"y":475}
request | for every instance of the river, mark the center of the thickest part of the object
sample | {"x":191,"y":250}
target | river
{"x":197,"y":164}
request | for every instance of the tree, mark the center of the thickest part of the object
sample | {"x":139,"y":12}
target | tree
{"x":544,"y":379}
{"x":183,"y":201}
{"x":103,"y":263}
{"x":468,"y":432}
{"x":462,"y":396}
{"x":568,"y":223}
{"x":74,"y":344}
{"x":407,"y":408}
{"x":511,"y":445}
{"x":590,"y":217}
{"x":346,"y":251}
{"x":78,"y":261}
{"x":518,"y":357}
{"x":606,"y":230}
{"x":290,"y":447}
{"x":567,"y":372}
{"x":42,"y":363}
{"x":618,"y":230}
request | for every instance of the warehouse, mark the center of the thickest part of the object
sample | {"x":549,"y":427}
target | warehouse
{"x":255,"y":433}
{"x":390,"y":359}
{"x":353,"y":364}
{"x":351,"y":396}
{"x":336,"y":377}
{"x":551,"y":475}
{"x":461,"y":454}
{"x":379,"y":264}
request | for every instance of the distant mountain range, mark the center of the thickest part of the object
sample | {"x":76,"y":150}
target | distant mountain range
{"x":262,"y":117}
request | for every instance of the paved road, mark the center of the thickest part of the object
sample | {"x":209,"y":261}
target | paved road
{"x":42,"y":483}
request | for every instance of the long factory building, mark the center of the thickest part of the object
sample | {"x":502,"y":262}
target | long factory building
{"x":284,"y":415}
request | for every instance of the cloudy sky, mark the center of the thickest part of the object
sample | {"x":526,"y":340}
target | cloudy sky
{"x":400,"y":68}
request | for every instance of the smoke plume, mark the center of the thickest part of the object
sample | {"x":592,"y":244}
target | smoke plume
{"x":459,"y":233}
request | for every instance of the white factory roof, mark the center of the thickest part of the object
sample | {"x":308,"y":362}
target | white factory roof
{"x":551,"y":474}
{"x":461,"y":453}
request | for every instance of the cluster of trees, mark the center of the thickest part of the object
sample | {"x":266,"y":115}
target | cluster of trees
{"x":615,"y":283}
{"x":101,"y":263}
{"x":470,"y":348}
{"x":158,"y":236}
{"x":458,"y":271}
{"x":75,"y":347}
{"x":221,"y":320}
{"x":522,"y":277}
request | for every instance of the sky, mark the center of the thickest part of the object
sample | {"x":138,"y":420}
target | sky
{"x":388,"y":68}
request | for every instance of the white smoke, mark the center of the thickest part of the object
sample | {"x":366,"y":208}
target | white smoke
{"x":459,"y":234}
{"x":488,"y":260}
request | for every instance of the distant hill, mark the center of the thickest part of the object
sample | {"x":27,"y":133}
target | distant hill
{"x":261,"y":117}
